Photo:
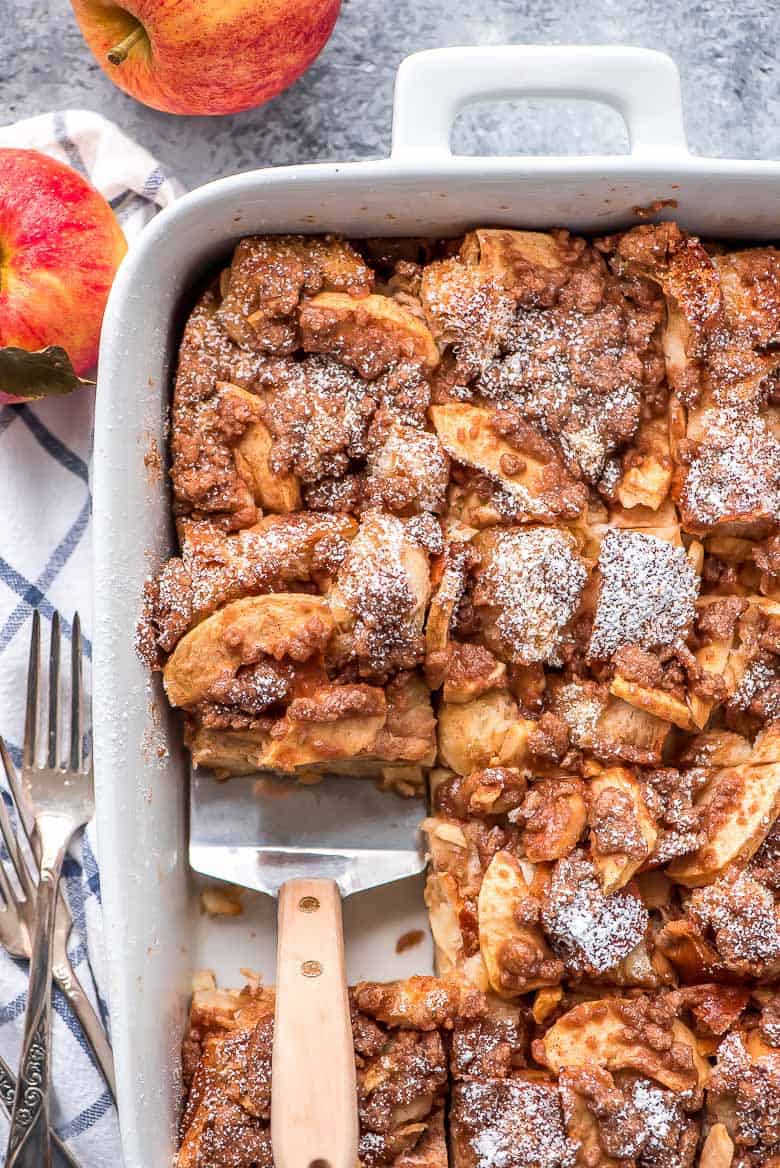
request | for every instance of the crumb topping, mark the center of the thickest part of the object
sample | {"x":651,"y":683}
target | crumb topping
{"x":506,"y":506}
{"x":744,"y":922}
{"x":380,"y":593}
{"x":319,"y":413}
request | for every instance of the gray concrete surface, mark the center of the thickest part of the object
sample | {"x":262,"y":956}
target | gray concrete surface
{"x":727,"y":53}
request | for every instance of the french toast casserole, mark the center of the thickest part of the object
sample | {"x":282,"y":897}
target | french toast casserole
{"x":500,"y":516}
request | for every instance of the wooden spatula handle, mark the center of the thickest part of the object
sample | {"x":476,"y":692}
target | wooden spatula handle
{"x":313,"y":1095}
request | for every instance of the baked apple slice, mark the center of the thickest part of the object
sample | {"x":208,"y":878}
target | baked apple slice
{"x":445,"y":599}
{"x":227,"y":752}
{"x":278,"y":625}
{"x":619,"y":1034}
{"x":766,"y":748}
{"x":516,"y":955}
{"x":370,"y":333}
{"x":647,"y":468}
{"x":622,"y":830}
{"x":501,"y":252}
{"x":335,"y":722}
{"x":692,"y":956}
{"x":717,"y":1151}
{"x":657,"y":702}
{"x":484,"y":732}
{"x":739,"y":806}
{"x":526,"y":467}
{"x":608,"y":727}
{"x":717,"y":748}
{"x":272,"y":490}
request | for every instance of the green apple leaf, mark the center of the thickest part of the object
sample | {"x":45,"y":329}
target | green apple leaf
{"x":45,"y":373}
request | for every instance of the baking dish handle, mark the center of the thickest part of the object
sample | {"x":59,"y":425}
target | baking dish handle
{"x":432,"y":88}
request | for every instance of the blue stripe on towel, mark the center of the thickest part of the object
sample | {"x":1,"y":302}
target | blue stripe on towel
{"x":54,"y":445}
{"x":14,"y":1009}
{"x":7,"y":416}
{"x":64,"y":1010}
{"x":33,"y":594}
{"x":91,"y":871}
{"x":15,"y":752}
{"x":66,"y":142}
{"x":153,"y":183}
{"x":87,"y":1118}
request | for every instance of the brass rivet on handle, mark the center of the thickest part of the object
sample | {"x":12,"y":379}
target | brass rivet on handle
{"x":308,"y":904}
{"x":311,"y":969}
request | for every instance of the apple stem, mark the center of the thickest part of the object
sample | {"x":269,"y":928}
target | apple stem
{"x":119,"y":52}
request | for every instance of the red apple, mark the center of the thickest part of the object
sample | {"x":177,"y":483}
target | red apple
{"x":205,"y":56}
{"x":60,"y":246}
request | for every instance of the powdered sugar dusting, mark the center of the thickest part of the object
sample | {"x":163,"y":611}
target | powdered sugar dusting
{"x":222,"y":568}
{"x":319,"y":412}
{"x":535,"y":577}
{"x":736,"y":471}
{"x":664,"y":1122}
{"x":591,"y":932}
{"x":647,"y":595}
{"x":574,"y":377}
{"x":512,"y":1124}
{"x":743,"y":918}
{"x":760,"y":678}
{"x":580,"y":710}
{"x":468,"y":311}
{"x":378,"y":591}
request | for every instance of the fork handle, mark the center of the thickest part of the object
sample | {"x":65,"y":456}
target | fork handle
{"x":313,"y":1091}
{"x":7,"y":1092}
{"x":71,"y":987}
{"x":29,"y":1144}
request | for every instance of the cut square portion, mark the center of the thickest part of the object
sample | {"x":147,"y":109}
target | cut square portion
{"x":532,"y":882}
{"x":399,"y":1034}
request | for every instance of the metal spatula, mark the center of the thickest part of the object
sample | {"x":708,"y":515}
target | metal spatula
{"x":308,"y":845}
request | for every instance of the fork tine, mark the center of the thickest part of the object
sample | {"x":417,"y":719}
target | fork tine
{"x":54,"y":690}
{"x":31,"y":712}
{"x":18,"y":862}
{"x":17,"y":794}
{"x":75,"y":695}
{"x":26,"y":822}
{"x":6,"y":889}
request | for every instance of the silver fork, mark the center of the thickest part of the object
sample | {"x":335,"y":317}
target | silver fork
{"x":62,"y":801}
{"x":16,"y":924}
{"x":15,"y":927}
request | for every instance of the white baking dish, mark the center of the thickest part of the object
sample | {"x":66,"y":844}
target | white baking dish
{"x":155,"y":934}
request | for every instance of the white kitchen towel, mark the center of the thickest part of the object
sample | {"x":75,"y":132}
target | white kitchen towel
{"x":45,"y":563}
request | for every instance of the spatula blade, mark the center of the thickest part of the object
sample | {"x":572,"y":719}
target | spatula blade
{"x":344,"y":829}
